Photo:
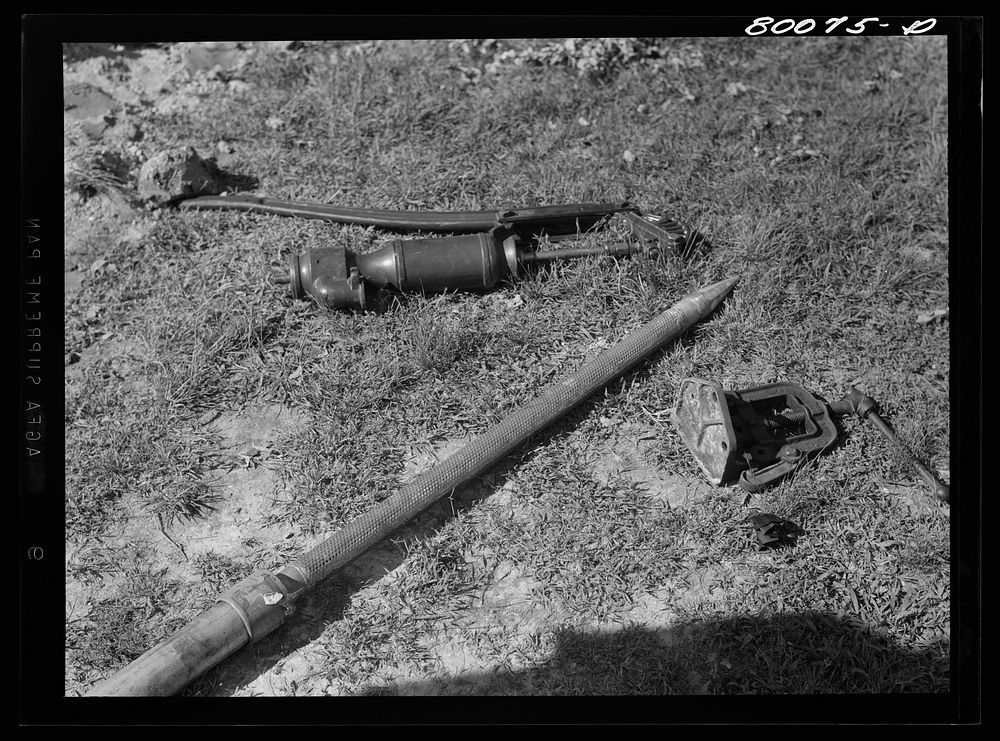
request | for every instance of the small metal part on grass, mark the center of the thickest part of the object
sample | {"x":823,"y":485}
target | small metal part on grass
{"x":773,"y":532}
{"x":658,"y":229}
{"x":764,"y":433}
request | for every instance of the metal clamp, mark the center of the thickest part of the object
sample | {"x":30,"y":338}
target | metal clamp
{"x":762,"y":433}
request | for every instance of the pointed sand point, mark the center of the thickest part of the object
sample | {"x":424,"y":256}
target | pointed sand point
{"x":716,"y":292}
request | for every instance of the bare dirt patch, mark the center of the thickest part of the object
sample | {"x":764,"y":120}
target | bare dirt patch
{"x":248,"y":489}
{"x":628,"y":456}
{"x":245,"y":491}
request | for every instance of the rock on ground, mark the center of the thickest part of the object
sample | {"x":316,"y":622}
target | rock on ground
{"x":178,"y":173}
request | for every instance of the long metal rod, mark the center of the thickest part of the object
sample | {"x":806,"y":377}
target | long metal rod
{"x":620,"y":249}
{"x":259,"y":604}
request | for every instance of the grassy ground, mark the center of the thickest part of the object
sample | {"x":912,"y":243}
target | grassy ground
{"x":214,"y":425}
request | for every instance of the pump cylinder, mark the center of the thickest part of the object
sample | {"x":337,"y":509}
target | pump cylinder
{"x":468,"y":262}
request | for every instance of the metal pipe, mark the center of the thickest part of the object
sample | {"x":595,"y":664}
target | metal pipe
{"x":243,"y":614}
{"x":169,"y":667}
{"x":259,"y":604}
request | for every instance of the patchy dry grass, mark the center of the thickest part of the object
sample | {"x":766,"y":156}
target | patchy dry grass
{"x":816,"y":168}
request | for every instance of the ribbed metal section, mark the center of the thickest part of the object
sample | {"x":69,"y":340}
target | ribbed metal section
{"x":490,"y":447}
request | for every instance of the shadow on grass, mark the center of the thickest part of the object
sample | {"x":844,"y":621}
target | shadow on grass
{"x":809,"y":653}
{"x":805,"y":653}
{"x":234,"y":182}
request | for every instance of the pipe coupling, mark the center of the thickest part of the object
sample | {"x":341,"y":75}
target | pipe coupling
{"x":261,"y":600}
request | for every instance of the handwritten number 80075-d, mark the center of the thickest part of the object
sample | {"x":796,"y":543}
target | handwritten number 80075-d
{"x":765,"y":23}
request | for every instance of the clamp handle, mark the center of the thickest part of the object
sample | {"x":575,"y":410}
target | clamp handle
{"x":867,"y":408}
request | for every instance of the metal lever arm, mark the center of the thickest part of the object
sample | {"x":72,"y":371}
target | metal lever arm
{"x":867,"y":408}
{"x":858,"y":402}
{"x":559,"y":219}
